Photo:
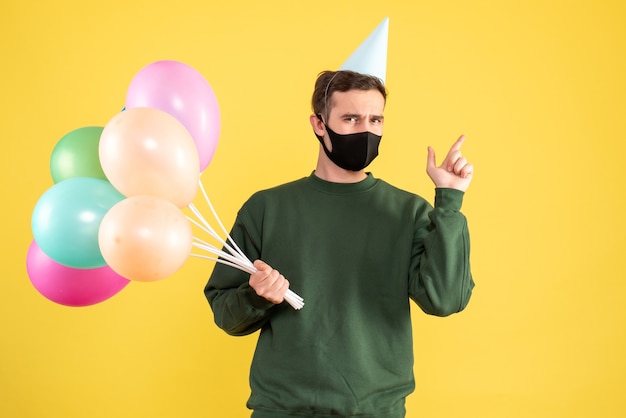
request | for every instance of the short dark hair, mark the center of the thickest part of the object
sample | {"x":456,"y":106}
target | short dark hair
{"x":329,"y":82}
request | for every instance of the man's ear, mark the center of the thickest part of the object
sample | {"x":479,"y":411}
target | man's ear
{"x":317,"y":125}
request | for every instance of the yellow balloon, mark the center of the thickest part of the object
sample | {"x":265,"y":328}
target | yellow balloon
{"x":146,"y":151}
{"x":145,"y":238}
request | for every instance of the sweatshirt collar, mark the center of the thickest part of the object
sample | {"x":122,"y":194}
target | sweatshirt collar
{"x":342,"y":188}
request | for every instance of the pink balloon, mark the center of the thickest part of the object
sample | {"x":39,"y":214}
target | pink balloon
{"x":184,"y":93}
{"x":71,"y":286}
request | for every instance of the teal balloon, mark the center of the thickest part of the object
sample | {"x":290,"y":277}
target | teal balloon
{"x":66,"y":220}
{"x":77,"y":155}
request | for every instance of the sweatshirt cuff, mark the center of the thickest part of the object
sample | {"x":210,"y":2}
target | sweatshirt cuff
{"x":449,"y":199}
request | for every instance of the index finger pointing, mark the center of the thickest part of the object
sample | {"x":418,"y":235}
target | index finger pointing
{"x":457,"y":144}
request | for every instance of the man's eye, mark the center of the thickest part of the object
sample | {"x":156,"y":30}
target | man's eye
{"x":351,"y":119}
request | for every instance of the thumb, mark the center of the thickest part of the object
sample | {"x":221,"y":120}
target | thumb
{"x":430,"y":162}
{"x":261,"y":265}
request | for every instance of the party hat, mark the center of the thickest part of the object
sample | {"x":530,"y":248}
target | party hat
{"x":371,"y":56}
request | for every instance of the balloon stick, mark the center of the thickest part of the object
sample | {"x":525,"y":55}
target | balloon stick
{"x":230,"y":254}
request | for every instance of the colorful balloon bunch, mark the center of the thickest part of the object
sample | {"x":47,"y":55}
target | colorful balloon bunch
{"x":114,"y":213}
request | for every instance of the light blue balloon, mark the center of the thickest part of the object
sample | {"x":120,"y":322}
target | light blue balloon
{"x":66,"y":220}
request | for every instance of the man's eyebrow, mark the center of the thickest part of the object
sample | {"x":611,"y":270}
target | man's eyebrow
{"x":357,"y":115}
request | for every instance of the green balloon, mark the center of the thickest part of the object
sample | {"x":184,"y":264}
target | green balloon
{"x":76,"y":155}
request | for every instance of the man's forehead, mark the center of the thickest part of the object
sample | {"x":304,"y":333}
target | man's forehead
{"x":358,"y":101}
{"x":357,"y":93}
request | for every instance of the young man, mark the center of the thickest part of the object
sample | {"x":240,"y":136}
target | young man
{"x":357,"y":250}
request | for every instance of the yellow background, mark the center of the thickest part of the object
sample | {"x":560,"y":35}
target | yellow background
{"x":537,"y":88}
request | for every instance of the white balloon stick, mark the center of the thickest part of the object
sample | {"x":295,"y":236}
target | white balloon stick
{"x":232,"y":255}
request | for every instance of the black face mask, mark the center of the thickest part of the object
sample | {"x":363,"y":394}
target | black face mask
{"x":351,"y":152}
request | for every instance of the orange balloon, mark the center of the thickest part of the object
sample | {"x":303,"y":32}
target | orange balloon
{"x":145,"y":238}
{"x":146,"y":151}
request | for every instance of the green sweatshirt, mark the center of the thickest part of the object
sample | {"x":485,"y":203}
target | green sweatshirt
{"x":357,"y":253}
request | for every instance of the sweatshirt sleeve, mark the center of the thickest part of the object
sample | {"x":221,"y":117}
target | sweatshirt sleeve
{"x":237,"y":309}
{"x":441,"y":281}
